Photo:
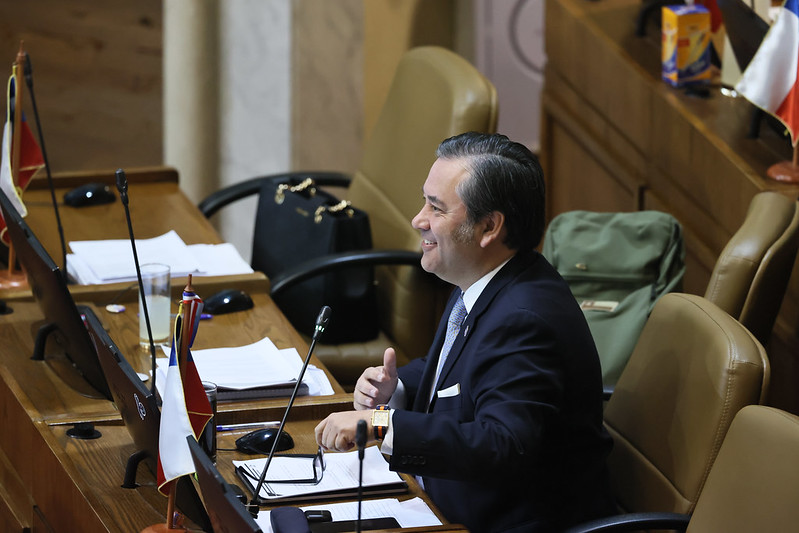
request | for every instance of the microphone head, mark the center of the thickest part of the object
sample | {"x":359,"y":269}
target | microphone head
{"x":322,"y":320}
{"x":28,"y":69}
{"x":360,"y":434}
{"x":122,"y":181}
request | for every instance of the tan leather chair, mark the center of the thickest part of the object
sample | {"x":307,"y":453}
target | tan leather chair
{"x":753,"y":270}
{"x":752,"y":486}
{"x":692,"y":369}
{"x":435,"y":94}
{"x":754,"y":483}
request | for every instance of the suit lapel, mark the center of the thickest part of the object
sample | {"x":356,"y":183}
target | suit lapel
{"x":470,"y":325}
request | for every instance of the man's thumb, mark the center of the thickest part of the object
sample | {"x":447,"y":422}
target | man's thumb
{"x":390,"y":362}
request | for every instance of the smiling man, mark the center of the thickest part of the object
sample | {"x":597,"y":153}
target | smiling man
{"x":502,"y":420}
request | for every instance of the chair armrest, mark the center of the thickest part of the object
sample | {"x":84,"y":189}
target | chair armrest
{"x":219,"y":199}
{"x":327,"y":263}
{"x":634,"y":522}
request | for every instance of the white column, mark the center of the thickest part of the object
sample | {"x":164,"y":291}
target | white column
{"x":227,"y":105}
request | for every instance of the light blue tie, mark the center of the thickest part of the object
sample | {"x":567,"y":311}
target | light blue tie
{"x":454,"y":323}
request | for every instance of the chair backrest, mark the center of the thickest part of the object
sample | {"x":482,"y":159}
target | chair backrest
{"x":435,"y":94}
{"x":754,"y":483}
{"x":693,"y":368}
{"x":753,"y":270}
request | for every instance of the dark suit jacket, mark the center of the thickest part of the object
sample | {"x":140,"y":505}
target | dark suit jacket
{"x":516,"y":442}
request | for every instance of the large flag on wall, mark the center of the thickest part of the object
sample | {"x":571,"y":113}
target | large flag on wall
{"x":30,"y":156}
{"x":770,"y":80}
{"x":185,"y":410}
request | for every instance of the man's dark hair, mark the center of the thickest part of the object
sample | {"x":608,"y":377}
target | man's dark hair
{"x":504,"y":176}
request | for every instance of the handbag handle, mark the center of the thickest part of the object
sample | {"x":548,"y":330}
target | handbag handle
{"x":341,"y":207}
{"x":280,"y":193}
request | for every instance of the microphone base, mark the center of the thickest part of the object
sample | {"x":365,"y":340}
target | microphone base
{"x":253,"y":509}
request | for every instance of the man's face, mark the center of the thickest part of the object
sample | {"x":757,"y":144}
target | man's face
{"x":448,"y":244}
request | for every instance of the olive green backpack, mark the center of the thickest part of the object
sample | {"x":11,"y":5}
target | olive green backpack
{"x":617,"y":265}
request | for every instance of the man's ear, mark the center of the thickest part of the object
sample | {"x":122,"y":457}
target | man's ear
{"x":493,"y":228}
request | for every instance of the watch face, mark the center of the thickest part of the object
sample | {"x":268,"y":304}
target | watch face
{"x":380,"y":418}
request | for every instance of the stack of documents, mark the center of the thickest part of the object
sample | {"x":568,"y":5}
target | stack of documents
{"x":409,"y":513}
{"x":258,"y":370}
{"x":111,"y":261}
{"x":339,"y":480}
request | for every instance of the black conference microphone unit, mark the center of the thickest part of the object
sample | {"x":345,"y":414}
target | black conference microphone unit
{"x":28,"y":71}
{"x":319,"y":328}
{"x":360,"y":441}
{"x":122,"y":186}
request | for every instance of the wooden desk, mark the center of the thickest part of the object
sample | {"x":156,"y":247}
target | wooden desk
{"x":34,"y":397}
{"x":156,"y":205}
{"x":55,"y":401}
{"x":616,"y":138}
{"x":76,"y":484}
{"x":155,"y":200}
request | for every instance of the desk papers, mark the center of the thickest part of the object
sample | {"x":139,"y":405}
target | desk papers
{"x":257,"y":370}
{"x":340,"y":477}
{"x":409,"y":513}
{"x":111,"y":261}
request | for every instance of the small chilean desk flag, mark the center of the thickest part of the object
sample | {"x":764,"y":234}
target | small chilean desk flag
{"x":770,"y":80}
{"x":186,"y":409}
{"x":29,"y":156}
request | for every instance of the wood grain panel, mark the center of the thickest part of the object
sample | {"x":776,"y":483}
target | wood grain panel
{"x":97,"y":71}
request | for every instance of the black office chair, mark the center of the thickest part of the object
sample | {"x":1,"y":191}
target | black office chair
{"x":435,"y":94}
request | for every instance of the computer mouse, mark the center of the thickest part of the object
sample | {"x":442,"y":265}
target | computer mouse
{"x":261,"y":441}
{"x":227,"y":301}
{"x":89,"y":194}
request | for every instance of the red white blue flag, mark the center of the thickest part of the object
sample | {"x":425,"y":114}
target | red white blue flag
{"x":770,"y":80}
{"x":186,"y":409}
{"x":14,"y":180}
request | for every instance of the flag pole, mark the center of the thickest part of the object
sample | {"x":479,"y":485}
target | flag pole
{"x":185,"y":336}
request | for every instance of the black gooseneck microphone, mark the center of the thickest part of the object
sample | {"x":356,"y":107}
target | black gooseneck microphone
{"x":28,"y":71}
{"x":319,"y":328}
{"x":360,"y":441}
{"x":122,"y":187}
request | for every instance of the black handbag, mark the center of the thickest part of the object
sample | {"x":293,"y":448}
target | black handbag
{"x":296,"y":222}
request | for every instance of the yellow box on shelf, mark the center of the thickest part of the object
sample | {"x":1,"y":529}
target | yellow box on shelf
{"x":685,"y":44}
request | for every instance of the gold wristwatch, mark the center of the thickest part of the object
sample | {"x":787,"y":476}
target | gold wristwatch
{"x":380,"y":418}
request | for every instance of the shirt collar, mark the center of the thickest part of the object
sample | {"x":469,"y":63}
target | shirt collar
{"x":474,"y":291}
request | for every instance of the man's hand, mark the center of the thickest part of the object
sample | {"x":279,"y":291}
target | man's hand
{"x":377,"y":383}
{"x":337,"y":431}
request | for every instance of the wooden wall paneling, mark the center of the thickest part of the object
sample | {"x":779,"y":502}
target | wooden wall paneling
{"x":581,"y":174}
{"x":97,"y":78}
{"x":699,"y":258}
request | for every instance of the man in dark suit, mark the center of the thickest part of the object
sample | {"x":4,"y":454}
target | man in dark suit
{"x":502,"y":420}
